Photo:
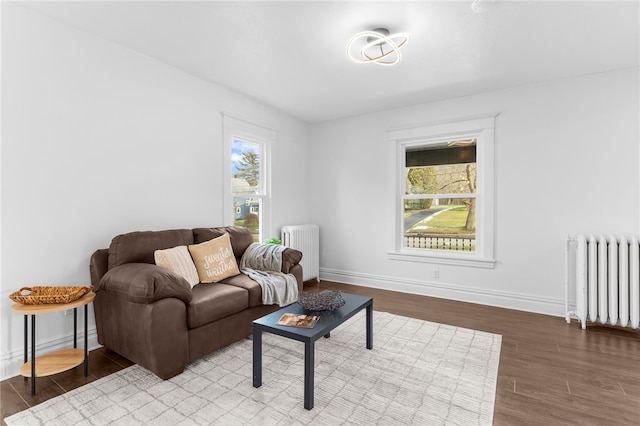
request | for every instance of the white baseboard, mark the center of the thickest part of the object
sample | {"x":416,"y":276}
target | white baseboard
{"x":502,"y":299}
{"x":12,"y":361}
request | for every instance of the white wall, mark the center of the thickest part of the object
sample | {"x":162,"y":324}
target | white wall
{"x":98,"y":140}
{"x":566,"y":162}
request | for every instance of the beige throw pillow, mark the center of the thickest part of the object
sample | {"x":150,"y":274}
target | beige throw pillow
{"x":214,"y":259}
{"x":178,"y":260}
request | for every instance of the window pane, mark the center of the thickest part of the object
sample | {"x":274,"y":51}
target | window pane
{"x":440,"y":224}
{"x":438,"y":154}
{"x":245,"y":167}
{"x":247,"y":213}
{"x":448,"y":179}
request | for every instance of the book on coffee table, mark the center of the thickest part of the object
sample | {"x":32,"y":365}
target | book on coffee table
{"x":298,"y":320}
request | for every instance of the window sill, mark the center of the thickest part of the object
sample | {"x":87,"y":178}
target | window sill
{"x":443,"y":259}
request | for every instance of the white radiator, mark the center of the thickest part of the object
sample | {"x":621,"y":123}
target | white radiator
{"x":607,"y":280}
{"x":305,"y":238}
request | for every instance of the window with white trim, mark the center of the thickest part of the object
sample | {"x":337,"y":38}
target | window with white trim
{"x":444,"y":193}
{"x":247,"y":172}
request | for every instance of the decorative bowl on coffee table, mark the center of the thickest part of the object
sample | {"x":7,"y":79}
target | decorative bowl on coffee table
{"x":326,"y":300}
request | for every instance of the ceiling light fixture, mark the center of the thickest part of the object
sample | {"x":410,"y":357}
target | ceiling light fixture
{"x":380,"y":47}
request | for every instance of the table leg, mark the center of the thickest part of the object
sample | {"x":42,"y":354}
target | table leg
{"x":257,"y":357}
{"x":86,"y":340}
{"x":326,"y":336}
{"x":26,"y":341}
{"x":370,"y":326}
{"x":33,"y":355}
{"x":75,"y":328}
{"x":309,"y":351}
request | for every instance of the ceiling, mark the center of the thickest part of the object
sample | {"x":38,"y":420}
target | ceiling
{"x":292,"y":54}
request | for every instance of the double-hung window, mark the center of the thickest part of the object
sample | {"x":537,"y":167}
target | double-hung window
{"x":443,"y":193}
{"x":247,"y":197}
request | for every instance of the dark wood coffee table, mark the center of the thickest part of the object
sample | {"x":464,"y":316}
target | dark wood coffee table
{"x":327,"y":322}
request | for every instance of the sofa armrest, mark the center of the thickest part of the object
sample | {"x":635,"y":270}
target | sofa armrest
{"x":144,"y":283}
{"x":296,"y":271}
{"x":290,"y":257}
{"x":98,"y":266}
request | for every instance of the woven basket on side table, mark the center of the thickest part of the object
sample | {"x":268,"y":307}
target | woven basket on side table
{"x":46,"y":295}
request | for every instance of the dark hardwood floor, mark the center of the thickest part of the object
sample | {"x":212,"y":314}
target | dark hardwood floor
{"x":551,"y":372}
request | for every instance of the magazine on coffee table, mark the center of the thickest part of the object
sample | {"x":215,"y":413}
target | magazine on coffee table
{"x":298,"y":320}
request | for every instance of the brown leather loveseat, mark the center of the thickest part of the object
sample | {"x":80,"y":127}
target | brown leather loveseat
{"x":154,"y":317}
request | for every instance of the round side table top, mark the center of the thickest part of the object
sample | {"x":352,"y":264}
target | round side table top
{"x":19,"y":308}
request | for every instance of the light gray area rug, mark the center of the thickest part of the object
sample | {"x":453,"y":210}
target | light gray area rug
{"x":417,"y":373}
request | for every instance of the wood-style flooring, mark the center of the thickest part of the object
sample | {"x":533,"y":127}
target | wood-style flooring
{"x":551,"y":372}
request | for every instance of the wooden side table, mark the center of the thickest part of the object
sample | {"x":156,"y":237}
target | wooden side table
{"x":57,"y":361}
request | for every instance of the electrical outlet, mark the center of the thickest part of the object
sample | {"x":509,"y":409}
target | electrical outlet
{"x":436,"y":273}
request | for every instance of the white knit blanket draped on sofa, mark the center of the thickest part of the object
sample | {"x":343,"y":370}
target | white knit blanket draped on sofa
{"x":263,"y":263}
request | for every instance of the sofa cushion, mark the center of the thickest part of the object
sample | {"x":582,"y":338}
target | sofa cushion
{"x":240,"y":237}
{"x":214,"y":301}
{"x":243,"y":281}
{"x":139,"y":247}
{"x":178,"y":260}
{"x":214,"y":259}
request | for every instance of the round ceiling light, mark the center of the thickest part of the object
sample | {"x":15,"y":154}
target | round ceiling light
{"x":378,"y":47}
